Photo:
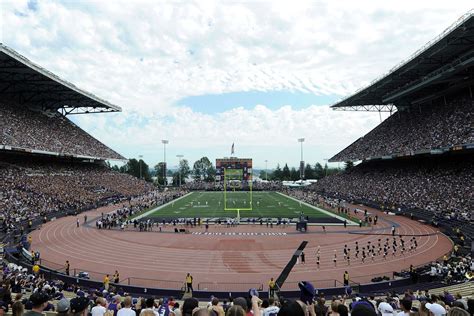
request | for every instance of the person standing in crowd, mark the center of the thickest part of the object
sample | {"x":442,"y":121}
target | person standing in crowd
{"x":106,"y":282}
{"x":271,"y":287}
{"x":127,"y":308}
{"x":189,"y":283}
{"x":116,"y":277}
{"x":67,"y":266}
{"x":18,"y":308}
{"x":346,"y":278}
{"x":100,"y":308}
{"x":405,"y":306}
{"x":39,"y":301}
{"x":62,"y":307}
{"x":79,"y":306}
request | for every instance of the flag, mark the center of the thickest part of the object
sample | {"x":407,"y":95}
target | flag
{"x":232,"y":149}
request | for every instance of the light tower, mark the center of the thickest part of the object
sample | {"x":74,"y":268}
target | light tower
{"x":179,"y":167}
{"x":140,"y":163}
{"x":266,"y":170}
{"x":164,"y":141}
{"x":301,"y":140}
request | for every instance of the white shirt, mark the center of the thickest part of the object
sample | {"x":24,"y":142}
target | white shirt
{"x":271,"y":311}
{"x":98,"y":310}
{"x":402,"y":313}
{"x":126,"y":311}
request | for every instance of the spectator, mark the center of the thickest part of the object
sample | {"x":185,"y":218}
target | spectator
{"x":100,"y":308}
{"x":63,"y":307}
{"x":78,"y":306}
{"x":18,"y":309}
{"x":127,"y":308}
{"x":39,"y":301}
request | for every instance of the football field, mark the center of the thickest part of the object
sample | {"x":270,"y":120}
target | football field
{"x":257,"y":205}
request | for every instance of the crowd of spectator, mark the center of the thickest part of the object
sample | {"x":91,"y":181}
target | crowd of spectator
{"x":28,"y":293}
{"x":52,"y":132}
{"x":219,"y":186}
{"x":34,"y":189}
{"x":414,"y":129}
{"x":122,"y":217}
{"x":440,"y":186}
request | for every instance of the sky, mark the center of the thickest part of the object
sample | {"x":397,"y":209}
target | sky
{"x":208,"y":74}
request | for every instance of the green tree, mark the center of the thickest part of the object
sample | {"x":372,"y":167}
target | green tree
{"x":318,"y":171}
{"x":204,"y":170}
{"x":285,"y":175}
{"x":294,"y":174}
{"x":277,"y":174}
{"x":185,"y":169}
{"x":308,"y":172}
{"x":265,"y":174}
{"x":136,"y":168}
{"x":159,"y":172}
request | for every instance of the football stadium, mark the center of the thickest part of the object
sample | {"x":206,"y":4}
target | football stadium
{"x":391,"y":233}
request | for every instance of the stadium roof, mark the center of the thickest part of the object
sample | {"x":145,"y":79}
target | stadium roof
{"x":23,"y":82}
{"x":442,"y":66}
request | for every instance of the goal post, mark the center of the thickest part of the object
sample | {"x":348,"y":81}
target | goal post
{"x":237,"y":191}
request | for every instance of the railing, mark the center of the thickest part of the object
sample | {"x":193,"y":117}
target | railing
{"x":154,"y":283}
{"x":229,"y":286}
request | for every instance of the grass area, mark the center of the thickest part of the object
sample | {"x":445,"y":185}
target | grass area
{"x":211,"y":204}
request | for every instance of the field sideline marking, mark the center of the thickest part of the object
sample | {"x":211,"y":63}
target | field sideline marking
{"x":349,"y":222}
{"x":161,"y":206}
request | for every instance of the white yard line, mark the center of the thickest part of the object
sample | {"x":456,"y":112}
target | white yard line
{"x":349,"y":222}
{"x":161,"y":206}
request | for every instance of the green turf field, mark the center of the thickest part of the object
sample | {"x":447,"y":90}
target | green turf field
{"x":211,"y":204}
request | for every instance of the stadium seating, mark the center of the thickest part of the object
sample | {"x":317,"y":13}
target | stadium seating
{"x":31,"y":189}
{"x":414,"y":129}
{"x":433,"y":185}
{"x":51,"y":132}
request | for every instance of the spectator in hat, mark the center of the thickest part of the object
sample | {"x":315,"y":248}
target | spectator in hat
{"x":78,"y":306}
{"x":63,"y":307}
{"x":39,"y":301}
{"x":363,"y":308}
{"x":385,"y":309}
{"x":435,"y":309}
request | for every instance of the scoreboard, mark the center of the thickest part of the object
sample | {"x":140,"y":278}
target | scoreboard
{"x":244,"y":164}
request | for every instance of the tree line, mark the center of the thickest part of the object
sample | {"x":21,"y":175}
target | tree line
{"x":204,"y":170}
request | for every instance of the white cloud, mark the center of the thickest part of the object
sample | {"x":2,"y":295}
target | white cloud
{"x":260,"y":133}
{"x":145,"y":55}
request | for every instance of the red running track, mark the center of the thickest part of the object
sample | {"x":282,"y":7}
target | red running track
{"x":216,"y":260}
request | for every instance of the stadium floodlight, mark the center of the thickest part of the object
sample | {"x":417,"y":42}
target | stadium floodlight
{"x":179,"y":167}
{"x":266,"y":170}
{"x":164,"y":141}
{"x":301,"y":140}
{"x":327,"y":167}
{"x":140,"y":163}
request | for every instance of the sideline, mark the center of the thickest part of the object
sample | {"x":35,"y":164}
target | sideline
{"x":349,"y":222}
{"x":160,"y":207}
